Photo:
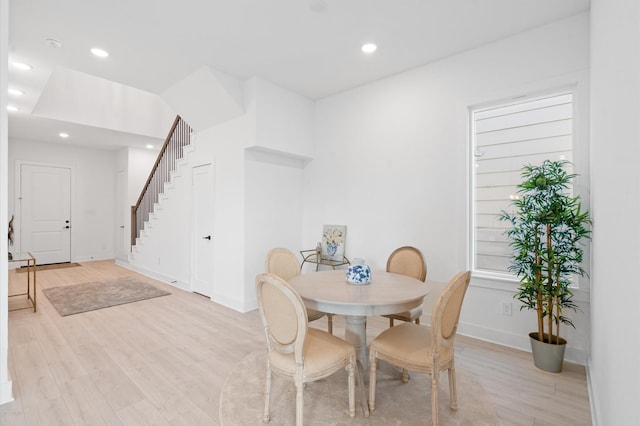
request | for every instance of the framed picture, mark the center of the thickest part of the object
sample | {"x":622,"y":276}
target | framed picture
{"x":334,"y":238}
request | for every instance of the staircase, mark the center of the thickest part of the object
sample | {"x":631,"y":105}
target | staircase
{"x":173,"y":150}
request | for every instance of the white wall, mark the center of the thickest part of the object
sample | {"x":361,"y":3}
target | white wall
{"x":273,"y":210}
{"x":139,"y":164}
{"x":615,"y":142}
{"x":223,"y":145}
{"x":283,"y":120}
{"x":5,"y":381}
{"x":135,"y":165}
{"x":392,"y":163}
{"x":281,"y":125}
{"x":258,"y":162}
{"x":92,"y":193}
{"x":165,"y":252}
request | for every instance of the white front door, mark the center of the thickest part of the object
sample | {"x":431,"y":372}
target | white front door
{"x":45,"y":210}
{"x":203,"y":187}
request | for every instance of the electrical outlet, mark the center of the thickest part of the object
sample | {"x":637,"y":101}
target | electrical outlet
{"x":506,"y":308}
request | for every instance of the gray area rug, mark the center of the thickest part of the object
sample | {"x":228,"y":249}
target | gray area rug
{"x":326,"y":401}
{"x":77,"y":298}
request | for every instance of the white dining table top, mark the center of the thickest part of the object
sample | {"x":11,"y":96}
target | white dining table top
{"x":388,"y":293}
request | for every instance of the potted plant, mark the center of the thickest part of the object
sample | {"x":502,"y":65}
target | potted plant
{"x":547,"y":233}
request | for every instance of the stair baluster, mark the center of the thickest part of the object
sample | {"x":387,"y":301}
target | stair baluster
{"x":178,"y":138}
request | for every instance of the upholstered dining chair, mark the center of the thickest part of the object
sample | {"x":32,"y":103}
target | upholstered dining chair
{"x":295,"y":350}
{"x":283,"y":263}
{"x":422,"y":348}
{"x":408,"y":261}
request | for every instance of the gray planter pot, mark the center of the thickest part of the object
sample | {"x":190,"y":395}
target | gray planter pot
{"x":547,"y":356}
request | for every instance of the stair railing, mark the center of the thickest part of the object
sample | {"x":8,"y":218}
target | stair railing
{"x":178,"y":138}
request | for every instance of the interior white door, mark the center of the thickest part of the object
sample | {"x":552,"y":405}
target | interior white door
{"x":45,"y":211}
{"x":202,"y":199}
{"x":121,"y":219}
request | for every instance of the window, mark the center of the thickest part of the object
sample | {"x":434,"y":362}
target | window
{"x":505,"y":138}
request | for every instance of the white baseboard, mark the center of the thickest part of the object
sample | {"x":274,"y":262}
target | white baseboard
{"x":513,"y":340}
{"x":152,"y":274}
{"x":235,"y":304}
{"x":90,"y":258}
{"x":6,"y":392}
{"x":593,"y":395}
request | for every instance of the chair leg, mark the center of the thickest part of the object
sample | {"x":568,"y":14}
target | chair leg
{"x":453,"y":392}
{"x":405,"y":375}
{"x":267,"y":395}
{"x":390,"y":322}
{"x":352,"y":387}
{"x":372,"y":380}
{"x":418,"y":320}
{"x":434,"y":398}
{"x":299,"y":401}
{"x":330,"y":323}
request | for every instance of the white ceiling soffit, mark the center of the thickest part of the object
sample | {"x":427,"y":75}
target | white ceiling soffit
{"x":206,"y":97}
{"x":81,"y":98}
{"x":46,"y":130}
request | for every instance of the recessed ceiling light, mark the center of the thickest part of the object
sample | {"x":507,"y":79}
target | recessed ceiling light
{"x":63,"y":135}
{"x":52,"y":42}
{"x":369,"y":48}
{"x":22,"y":66}
{"x":99,"y":52}
{"x":149,"y":146}
{"x":12,"y":108}
{"x":15,"y":92}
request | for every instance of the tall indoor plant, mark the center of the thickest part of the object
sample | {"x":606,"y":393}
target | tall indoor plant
{"x":547,"y":233}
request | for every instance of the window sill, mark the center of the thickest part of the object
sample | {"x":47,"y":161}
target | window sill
{"x":501,"y":282}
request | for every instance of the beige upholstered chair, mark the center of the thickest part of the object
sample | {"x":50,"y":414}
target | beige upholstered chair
{"x":424,"y":349}
{"x":407,"y":261}
{"x":284,"y":264}
{"x":295,"y":350}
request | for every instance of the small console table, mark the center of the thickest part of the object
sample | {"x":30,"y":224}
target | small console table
{"x":31,"y":269}
{"x":312,"y":256}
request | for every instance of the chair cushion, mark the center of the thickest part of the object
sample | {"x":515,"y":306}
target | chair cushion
{"x":410,"y":345}
{"x":323,"y":354}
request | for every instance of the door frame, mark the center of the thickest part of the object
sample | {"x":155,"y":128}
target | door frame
{"x":17,"y":202}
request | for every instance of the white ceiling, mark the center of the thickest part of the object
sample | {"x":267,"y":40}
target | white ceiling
{"x":311,"y":47}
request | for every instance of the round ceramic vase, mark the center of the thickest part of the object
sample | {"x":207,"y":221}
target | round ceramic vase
{"x":358,"y":273}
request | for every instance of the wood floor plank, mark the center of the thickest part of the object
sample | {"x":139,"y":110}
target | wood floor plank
{"x":164,"y":361}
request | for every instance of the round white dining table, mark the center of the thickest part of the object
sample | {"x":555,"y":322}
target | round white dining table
{"x":387,"y":293}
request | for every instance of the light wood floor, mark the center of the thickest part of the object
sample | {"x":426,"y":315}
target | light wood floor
{"x":164,"y":361}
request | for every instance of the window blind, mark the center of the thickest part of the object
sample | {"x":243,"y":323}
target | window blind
{"x":504,"y":139}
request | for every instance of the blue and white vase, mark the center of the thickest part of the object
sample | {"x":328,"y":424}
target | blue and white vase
{"x":359,"y":273}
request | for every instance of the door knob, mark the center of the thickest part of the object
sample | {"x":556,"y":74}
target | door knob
{"x":208,"y":237}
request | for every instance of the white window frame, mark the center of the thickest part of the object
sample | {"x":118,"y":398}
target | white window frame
{"x":577,"y":84}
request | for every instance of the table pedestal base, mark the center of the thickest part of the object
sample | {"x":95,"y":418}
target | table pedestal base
{"x":356,"y":334}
